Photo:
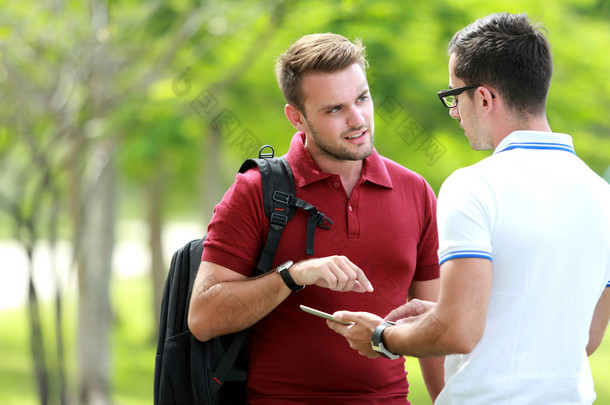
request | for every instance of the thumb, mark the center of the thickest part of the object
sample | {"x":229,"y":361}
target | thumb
{"x":343,"y":316}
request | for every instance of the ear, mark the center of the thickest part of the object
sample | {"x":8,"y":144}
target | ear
{"x":295,"y":117}
{"x":486,"y":99}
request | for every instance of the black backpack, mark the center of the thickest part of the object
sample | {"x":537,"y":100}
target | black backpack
{"x":188,"y":371}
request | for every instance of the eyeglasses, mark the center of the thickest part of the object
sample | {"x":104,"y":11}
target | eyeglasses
{"x":448,"y":96}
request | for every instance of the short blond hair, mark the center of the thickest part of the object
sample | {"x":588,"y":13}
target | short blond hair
{"x":315,"y":53}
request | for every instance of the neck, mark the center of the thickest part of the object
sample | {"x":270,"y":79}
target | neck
{"x":538,"y":123}
{"x":348,"y":170}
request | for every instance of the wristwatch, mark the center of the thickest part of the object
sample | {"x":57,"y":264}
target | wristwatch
{"x":282,"y":269}
{"x":377,"y":341}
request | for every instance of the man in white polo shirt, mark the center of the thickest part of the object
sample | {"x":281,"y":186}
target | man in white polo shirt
{"x":524,"y":239}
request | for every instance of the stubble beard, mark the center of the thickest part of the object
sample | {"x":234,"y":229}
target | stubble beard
{"x":338,"y":152}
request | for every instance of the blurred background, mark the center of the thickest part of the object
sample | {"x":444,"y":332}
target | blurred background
{"x":123,"y":123}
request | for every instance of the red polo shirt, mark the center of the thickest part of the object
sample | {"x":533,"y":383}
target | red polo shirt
{"x":387,"y":227}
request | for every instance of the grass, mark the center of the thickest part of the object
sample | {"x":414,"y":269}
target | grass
{"x":133,"y":351}
{"x":133,"y":345}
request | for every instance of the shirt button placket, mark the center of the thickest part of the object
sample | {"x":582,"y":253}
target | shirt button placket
{"x":353,"y":224}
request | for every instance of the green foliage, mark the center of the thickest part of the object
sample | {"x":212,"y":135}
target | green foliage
{"x":406,"y":45}
{"x":167,"y":54}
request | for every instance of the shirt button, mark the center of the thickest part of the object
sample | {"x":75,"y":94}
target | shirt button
{"x":349,"y":207}
{"x":336,"y":184}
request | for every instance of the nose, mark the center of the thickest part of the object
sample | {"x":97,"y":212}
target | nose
{"x":355,"y":117}
{"x":454,"y":113}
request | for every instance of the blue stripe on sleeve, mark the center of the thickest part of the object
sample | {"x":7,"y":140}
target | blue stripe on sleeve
{"x":465,"y":253}
{"x":608,"y":285}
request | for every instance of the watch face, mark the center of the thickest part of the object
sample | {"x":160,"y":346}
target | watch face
{"x":284,"y":265}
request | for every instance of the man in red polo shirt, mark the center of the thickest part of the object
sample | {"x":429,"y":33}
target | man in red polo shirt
{"x":380,"y":250}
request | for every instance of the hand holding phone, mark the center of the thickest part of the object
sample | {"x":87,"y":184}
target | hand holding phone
{"x":322,"y":315}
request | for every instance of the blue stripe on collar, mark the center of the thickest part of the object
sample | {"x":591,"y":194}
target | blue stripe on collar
{"x":539,"y":145}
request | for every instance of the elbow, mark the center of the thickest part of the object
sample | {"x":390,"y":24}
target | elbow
{"x":194,"y":324}
{"x":466,"y":345}
{"x":593,"y":345}
{"x":466,"y":339}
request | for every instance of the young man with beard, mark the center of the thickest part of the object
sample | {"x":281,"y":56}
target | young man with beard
{"x":379,"y":251}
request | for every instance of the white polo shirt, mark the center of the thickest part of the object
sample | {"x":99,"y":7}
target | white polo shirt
{"x":543,"y":218}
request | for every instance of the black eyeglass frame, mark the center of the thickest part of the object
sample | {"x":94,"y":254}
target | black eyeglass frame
{"x":454,"y":92}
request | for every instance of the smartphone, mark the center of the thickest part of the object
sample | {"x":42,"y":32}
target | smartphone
{"x":322,"y":314}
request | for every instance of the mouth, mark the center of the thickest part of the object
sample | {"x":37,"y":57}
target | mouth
{"x":356,"y":135}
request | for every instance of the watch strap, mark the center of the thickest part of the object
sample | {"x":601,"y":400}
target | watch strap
{"x":377,"y":340}
{"x":287,"y":278}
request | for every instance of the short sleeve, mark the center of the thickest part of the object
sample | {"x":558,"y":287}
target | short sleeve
{"x":237,"y":228}
{"x":465,"y":211}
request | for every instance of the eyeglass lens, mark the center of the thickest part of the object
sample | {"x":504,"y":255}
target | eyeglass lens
{"x":450,"y":101}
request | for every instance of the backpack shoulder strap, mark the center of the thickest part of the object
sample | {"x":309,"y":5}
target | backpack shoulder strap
{"x":280,"y":203}
{"x":277,"y":184}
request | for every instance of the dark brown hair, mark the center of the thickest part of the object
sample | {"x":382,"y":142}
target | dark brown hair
{"x":509,"y":53}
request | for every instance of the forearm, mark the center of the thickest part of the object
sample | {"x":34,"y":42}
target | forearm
{"x":599,"y":322}
{"x":420,"y":313}
{"x":224,"y":301}
{"x":454,"y":325}
{"x":433,"y":372}
{"x":457,"y":322}
{"x":428,"y":336}
{"x":221,"y":307}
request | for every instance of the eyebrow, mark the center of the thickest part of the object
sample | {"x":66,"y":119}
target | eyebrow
{"x":362,"y":93}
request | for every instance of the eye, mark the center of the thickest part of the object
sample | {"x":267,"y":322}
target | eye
{"x":363,"y":97}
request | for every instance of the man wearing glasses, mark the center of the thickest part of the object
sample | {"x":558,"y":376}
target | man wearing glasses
{"x":524,"y":239}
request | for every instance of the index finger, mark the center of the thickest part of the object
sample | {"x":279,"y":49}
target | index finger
{"x":362,"y":282}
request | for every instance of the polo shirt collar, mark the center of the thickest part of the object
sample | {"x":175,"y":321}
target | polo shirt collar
{"x":536,"y":140}
{"x":308,"y":171}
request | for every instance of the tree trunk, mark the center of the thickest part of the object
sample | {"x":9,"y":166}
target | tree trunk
{"x":156,"y":191}
{"x":94,"y":281}
{"x":36,"y":337}
{"x":211,"y":186}
{"x":55,"y":273}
